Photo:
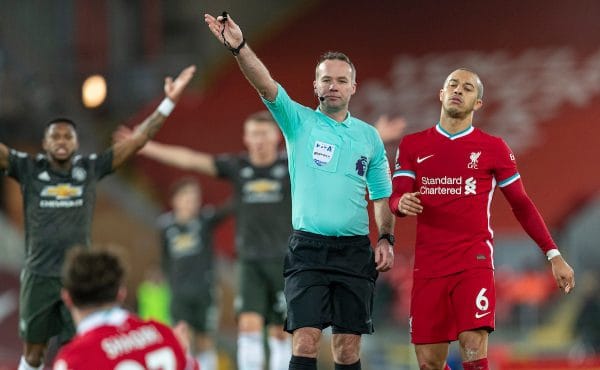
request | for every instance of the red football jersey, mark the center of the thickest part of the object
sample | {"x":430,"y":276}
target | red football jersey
{"x":456,"y":176}
{"x":116,"y":339}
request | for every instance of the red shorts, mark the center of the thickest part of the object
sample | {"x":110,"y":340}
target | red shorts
{"x":443,"y":307}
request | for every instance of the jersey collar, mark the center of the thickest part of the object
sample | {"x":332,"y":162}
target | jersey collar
{"x":346,"y":122}
{"x":113,"y":316}
{"x":450,"y":136}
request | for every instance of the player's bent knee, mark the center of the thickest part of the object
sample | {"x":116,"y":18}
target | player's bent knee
{"x":276,"y":331}
{"x":250,"y":322}
{"x":473,"y":344}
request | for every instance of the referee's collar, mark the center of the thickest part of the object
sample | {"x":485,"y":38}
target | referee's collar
{"x":346,"y":122}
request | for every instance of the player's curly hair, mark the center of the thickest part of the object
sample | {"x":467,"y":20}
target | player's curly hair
{"x":92,"y":277}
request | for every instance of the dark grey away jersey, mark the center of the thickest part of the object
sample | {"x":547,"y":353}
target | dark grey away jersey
{"x":263,"y":205}
{"x":58,"y":206}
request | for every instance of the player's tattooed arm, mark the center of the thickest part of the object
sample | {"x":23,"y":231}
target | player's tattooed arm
{"x":4,"y":152}
{"x":125,"y":149}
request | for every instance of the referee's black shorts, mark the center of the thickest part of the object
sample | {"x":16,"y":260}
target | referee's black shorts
{"x":329,"y":281}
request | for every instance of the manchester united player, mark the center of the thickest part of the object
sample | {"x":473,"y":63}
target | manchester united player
{"x":109,"y":337}
{"x":262,"y":198}
{"x":446,"y":176}
{"x":59,"y":190}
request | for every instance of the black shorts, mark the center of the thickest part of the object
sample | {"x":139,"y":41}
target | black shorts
{"x":42,"y":313}
{"x":329,"y":281}
{"x":197,"y":310}
{"x":260,"y":289}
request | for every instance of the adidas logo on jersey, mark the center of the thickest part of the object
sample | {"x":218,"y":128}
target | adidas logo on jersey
{"x":44,"y":176}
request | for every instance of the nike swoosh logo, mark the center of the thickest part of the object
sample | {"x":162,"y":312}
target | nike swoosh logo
{"x":419,"y":159}
{"x":479,"y":316}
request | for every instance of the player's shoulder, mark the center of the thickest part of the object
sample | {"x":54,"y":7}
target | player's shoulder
{"x":488,"y":138}
{"x":282,"y":157}
{"x":79,"y":352}
{"x":230,"y":157}
{"x":207,"y":212}
{"x":19,"y":154}
{"x":417,"y":137}
{"x":482,"y":134}
{"x":165,"y":220}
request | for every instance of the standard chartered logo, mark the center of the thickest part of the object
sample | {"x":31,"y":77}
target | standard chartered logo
{"x":470,"y":186}
{"x":448,"y":185}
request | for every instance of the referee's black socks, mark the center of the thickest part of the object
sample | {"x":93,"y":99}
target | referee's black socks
{"x":354,"y":366}
{"x":303,"y":363}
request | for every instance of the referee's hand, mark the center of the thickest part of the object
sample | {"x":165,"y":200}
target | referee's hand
{"x":384,"y":256}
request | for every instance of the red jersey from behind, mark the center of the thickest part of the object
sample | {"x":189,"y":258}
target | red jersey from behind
{"x":456,"y":176}
{"x":116,"y":339}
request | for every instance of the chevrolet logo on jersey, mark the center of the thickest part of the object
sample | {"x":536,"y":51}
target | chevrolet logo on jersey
{"x":62,"y":191}
{"x":183,"y":243}
{"x":262,"y":191}
{"x":262,"y":186}
{"x":61,"y":196}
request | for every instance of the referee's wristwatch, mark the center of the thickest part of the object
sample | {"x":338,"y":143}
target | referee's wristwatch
{"x":389,"y":237}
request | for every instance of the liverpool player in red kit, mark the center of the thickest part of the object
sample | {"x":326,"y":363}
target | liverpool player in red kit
{"x":109,"y":337}
{"x":446,"y":176}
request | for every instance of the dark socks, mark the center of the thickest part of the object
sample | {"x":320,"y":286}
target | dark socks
{"x":354,"y":366}
{"x":303,"y":363}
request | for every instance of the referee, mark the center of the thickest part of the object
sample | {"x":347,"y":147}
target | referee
{"x":330,"y":268}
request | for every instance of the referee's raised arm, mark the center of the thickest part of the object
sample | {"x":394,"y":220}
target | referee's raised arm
{"x":230,"y":35}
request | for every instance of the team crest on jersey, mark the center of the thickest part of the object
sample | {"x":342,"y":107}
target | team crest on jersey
{"x":323,"y":153}
{"x":78,"y":174}
{"x":62,"y":191}
{"x":279,"y":171}
{"x":246,"y":172}
{"x":361,"y":165}
{"x":474,"y":158}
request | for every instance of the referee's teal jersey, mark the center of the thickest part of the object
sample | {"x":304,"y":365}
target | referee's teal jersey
{"x":331,"y":166}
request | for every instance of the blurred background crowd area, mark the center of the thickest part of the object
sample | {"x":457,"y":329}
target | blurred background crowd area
{"x":540,"y":64}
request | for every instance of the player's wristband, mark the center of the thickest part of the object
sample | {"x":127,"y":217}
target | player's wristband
{"x":166,"y":107}
{"x":552,"y":253}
